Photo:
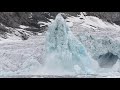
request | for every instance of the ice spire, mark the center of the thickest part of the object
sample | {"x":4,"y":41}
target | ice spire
{"x":64,"y":50}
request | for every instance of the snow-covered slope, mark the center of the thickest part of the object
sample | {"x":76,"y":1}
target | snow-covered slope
{"x":15,"y":34}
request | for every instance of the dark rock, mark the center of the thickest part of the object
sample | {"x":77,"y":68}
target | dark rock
{"x":24,"y":37}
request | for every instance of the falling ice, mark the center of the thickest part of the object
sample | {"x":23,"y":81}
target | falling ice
{"x":64,"y":52}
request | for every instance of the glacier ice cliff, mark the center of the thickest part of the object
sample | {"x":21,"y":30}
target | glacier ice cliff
{"x":102,"y":43}
{"x":99,"y":41}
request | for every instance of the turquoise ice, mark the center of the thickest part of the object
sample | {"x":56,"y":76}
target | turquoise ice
{"x":64,"y":51}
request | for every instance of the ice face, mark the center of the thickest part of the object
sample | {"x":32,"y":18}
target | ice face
{"x":63,"y":50}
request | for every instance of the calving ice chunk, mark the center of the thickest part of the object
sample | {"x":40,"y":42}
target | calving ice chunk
{"x":65,"y":49}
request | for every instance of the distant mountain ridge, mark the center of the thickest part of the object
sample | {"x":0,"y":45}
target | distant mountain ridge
{"x":14,"y":19}
{"x":31,"y":19}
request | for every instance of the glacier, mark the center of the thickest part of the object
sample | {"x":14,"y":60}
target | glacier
{"x":98,"y":39}
{"x":101,"y":40}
